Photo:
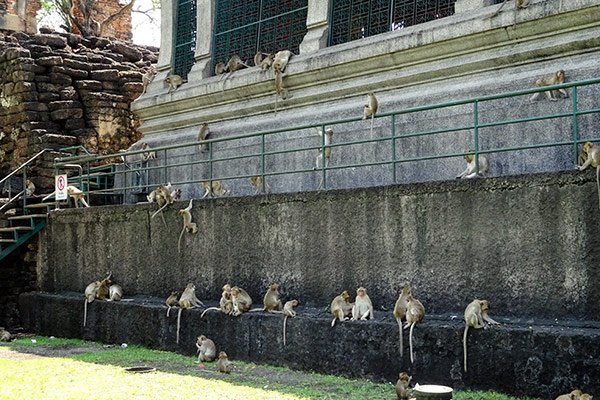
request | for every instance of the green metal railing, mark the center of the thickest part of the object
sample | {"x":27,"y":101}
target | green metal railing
{"x":259,"y":150}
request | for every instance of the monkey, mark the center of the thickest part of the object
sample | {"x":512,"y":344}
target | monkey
{"x":518,"y":5}
{"x":213,"y":188}
{"x":188,"y":300}
{"x":402,"y":388}
{"x":259,"y":184}
{"x":207,"y":351}
{"x":556,"y":78}
{"x":400,"y":312}
{"x":174,"y":81}
{"x":280,"y":61}
{"x":223,"y":364}
{"x":5,"y":335}
{"x":339,"y":307}
{"x":258,"y":57}
{"x":77,"y":196}
{"x":241,"y":301}
{"x":235,"y":63}
{"x":476,"y":314}
{"x":593,"y":159}
{"x":163,"y":197}
{"x":327,"y":141}
{"x":148,"y":155}
{"x":586,"y":396}
{"x":470,"y":171}
{"x":29,"y":188}
{"x":219,"y":68}
{"x":115,"y":292}
{"x":370,"y":109}
{"x":267,"y":62}
{"x":203,"y":135}
{"x":288,"y":311}
{"x":415,"y":312}
{"x":574,"y":395}
{"x":363,"y":308}
{"x":95,"y":290}
{"x":271,"y":301}
{"x":172,"y":301}
{"x":147,"y":79}
{"x":188,"y":225}
{"x":225,"y":304}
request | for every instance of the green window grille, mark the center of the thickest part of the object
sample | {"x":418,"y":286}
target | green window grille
{"x":185,"y":37}
{"x":244,"y":27}
{"x":355,"y":19}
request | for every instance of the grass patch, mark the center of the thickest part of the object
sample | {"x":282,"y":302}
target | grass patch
{"x":44,"y":368}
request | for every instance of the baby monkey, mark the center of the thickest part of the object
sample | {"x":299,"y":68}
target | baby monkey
{"x":288,"y":311}
{"x":188,"y":225}
{"x":593,"y":159}
{"x":207,"y":351}
{"x":556,"y":78}
{"x":476,"y":314}
{"x":363,"y":308}
{"x":402,"y":388}
{"x":172,"y":301}
{"x":259,"y":184}
{"x":271,"y":301}
{"x":223,"y":364}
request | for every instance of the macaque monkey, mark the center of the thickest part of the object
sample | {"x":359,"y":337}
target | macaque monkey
{"x":241,"y":301}
{"x":235,"y":63}
{"x":363,"y":308}
{"x":172,"y":301}
{"x":220,"y":68}
{"x":259,"y":184}
{"x":280,"y":61}
{"x":593,"y":159}
{"x":214,"y":188}
{"x":188,"y":225}
{"x":267,"y":62}
{"x":402,"y":388}
{"x":95,"y":290}
{"x":400,"y":312}
{"x":203,"y":135}
{"x":188,"y":300}
{"x":147,"y":79}
{"x":29,"y":188}
{"x":518,"y":5}
{"x":370,"y":108}
{"x":115,"y":293}
{"x":163,"y":196}
{"x":174,"y":81}
{"x":271,"y":301}
{"x":225,"y":304}
{"x":556,"y":78}
{"x":476,"y":314}
{"x":415,"y":312}
{"x":470,"y":171}
{"x":148,"y":155}
{"x":5,"y":335}
{"x":339,"y":307}
{"x":574,"y":395}
{"x":288,"y":311}
{"x":223,"y":364}
{"x":327,"y":141}
{"x":77,"y":196}
{"x":207,"y":351}
{"x":586,"y":396}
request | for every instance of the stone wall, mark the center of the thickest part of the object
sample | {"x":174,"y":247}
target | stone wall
{"x":59,"y":90}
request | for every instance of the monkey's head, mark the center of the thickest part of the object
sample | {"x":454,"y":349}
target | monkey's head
{"x":273,"y":286}
{"x":190,"y":286}
{"x":227,"y":288}
{"x":361,"y":291}
{"x":406,"y":291}
{"x":587,"y":146}
{"x":345,"y":295}
{"x":485,"y":305}
{"x":201,"y":338}
{"x":469,"y":157}
{"x":174,"y":293}
{"x":585,"y":396}
{"x":294,"y":302}
{"x":403,"y":376}
{"x":222,"y":355}
{"x":329,"y":131}
{"x":235,"y":291}
{"x":560,"y":76}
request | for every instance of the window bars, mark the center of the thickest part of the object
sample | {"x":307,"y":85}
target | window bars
{"x":184,"y":38}
{"x":355,"y":19}
{"x":246,"y":27}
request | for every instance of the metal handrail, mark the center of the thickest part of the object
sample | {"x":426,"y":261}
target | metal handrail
{"x":19,"y":168}
{"x":475,"y":126}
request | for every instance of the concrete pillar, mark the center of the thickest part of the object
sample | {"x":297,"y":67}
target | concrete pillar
{"x":317,"y":23}
{"x":463,"y":6}
{"x":165,"y":56}
{"x":204,"y":38}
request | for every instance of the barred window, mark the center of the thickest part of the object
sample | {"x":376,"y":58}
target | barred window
{"x":244,"y":27}
{"x":185,"y":37}
{"x":355,"y":19}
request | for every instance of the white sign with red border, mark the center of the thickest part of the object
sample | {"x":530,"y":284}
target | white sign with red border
{"x":60,"y":187}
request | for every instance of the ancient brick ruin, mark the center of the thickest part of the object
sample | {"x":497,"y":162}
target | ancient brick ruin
{"x":59,"y":89}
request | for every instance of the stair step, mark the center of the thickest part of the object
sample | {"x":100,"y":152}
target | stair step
{"x":44,"y":205}
{"x":30,"y":216}
{"x":16,"y":229}
{"x":7,"y":240}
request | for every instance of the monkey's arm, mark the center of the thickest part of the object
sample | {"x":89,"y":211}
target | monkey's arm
{"x":586,"y":163}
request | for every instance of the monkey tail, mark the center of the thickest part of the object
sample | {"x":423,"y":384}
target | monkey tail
{"x":598,"y":183}
{"x":179,"y":241}
{"x":284,"y":321}
{"x":178,"y":324}
{"x":401,"y":341}
{"x":465,"y":346}
{"x":84,"y":311}
{"x":209,"y":308}
{"x":159,"y":210}
{"x":333,"y":321}
{"x":410,"y":336}
{"x":168,"y":310}
{"x":372,"y":118}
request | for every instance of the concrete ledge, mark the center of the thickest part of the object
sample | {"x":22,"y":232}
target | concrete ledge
{"x":519,"y":357}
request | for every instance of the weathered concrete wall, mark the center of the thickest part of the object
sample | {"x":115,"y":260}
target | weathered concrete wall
{"x":529,"y":244}
{"x":518,"y":357}
{"x":462,"y":56}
